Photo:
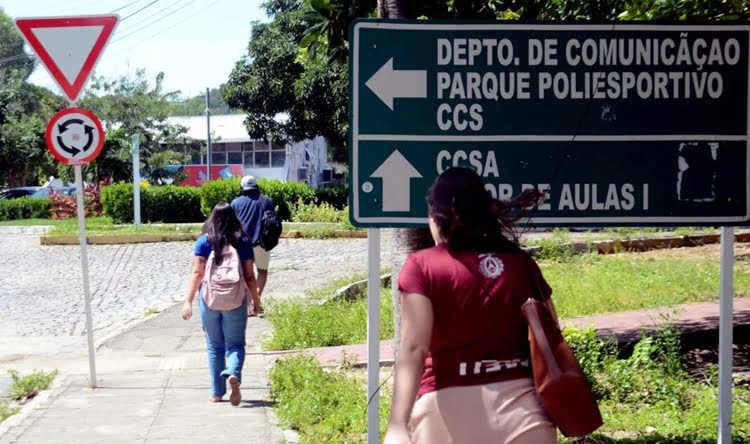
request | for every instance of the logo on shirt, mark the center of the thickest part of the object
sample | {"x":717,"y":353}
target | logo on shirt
{"x":490,"y":266}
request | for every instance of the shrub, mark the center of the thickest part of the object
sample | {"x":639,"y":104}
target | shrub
{"x":336,"y":196}
{"x":217,"y":191}
{"x":282,"y":193}
{"x":167,"y":203}
{"x":64,"y":207}
{"x":117,"y":201}
{"x":24,"y":208}
{"x":325,"y":406}
{"x":26,"y":387}
{"x":170,"y":203}
{"x":314,"y":212}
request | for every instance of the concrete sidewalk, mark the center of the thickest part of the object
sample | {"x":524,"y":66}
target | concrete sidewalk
{"x":153,"y":387}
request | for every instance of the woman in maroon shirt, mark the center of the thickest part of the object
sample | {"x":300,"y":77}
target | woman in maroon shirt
{"x":463,"y":372}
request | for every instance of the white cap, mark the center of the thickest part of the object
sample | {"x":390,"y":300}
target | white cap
{"x":249,"y":183}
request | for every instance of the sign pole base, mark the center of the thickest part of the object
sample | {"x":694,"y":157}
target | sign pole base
{"x":85,"y":272}
{"x":373,"y":335}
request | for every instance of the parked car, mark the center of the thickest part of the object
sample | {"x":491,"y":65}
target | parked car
{"x":14,"y":193}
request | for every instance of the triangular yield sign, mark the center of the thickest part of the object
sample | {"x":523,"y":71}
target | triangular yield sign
{"x":69,"y":47}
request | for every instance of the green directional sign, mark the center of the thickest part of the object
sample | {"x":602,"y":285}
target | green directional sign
{"x":619,"y":124}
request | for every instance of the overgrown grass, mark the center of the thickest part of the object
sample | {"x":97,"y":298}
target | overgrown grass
{"x":589,"y":284}
{"x":645,"y":398}
{"x":649,"y":396}
{"x":324,"y":405}
{"x":6,"y":410}
{"x":27,"y":386}
{"x":299,"y":324}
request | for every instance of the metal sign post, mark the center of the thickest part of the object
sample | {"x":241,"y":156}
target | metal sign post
{"x":373,"y":335}
{"x":136,"y":141}
{"x":85,"y":273}
{"x":69,"y":47}
{"x":725,"y":335}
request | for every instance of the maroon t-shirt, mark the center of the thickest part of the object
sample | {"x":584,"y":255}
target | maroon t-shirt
{"x":479,"y":334}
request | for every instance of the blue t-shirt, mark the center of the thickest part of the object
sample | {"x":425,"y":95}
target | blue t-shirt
{"x":249,"y":210}
{"x":244,"y":249}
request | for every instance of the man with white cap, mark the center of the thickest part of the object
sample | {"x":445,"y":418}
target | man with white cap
{"x":249,"y":207}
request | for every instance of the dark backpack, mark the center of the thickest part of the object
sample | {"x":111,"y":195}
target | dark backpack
{"x":270,"y":226}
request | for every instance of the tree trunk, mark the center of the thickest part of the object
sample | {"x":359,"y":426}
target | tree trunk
{"x":405,"y":241}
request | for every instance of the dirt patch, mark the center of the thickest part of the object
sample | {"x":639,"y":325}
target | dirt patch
{"x":741,"y":253}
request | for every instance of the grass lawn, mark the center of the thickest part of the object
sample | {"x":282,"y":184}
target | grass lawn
{"x":590,"y":284}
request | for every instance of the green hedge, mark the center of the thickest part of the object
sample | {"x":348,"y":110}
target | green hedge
{"x":283,"y":194}
{"x":25,"y":208}
{"x":117,"y":202}
{"x":336,"y":196}
{"x":169,"y":203}
{"x":166,"y":203}
{"x":173,"y":204}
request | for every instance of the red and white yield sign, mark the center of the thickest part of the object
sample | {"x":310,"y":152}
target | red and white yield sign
{"x":75,"y":136}
{"x":69,"y":47}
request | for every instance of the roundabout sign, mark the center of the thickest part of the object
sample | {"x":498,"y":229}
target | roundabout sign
{"x":75,"y":136}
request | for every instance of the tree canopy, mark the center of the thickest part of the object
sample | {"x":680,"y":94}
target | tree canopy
{"x":296,"y":64}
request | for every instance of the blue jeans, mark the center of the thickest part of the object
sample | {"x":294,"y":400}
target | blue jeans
{"x":225,"y":338}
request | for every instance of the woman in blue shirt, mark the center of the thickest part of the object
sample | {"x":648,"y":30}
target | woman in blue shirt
{"x":224,"y":329}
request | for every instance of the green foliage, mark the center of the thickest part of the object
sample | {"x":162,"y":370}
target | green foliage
{"x":172,"y":204}
{"x":24,"y":208}
{"x":277,"y":76}
{"x":165,"y":203}
{"x":217,"y":191}
{"x":591,"y":284}
{"x":196,"y":105}
{"x":117,"y":201}
{"x":324,"y":405}
{"x":314,"y":212}
{"x":284,"y":194}
{"x":165,"y":166}
{"x":337,"y":196}
{"x":28,"y":386}
{"x":6,"y":411}
{"x":299,"y":324}
{"x":556,"y":247}
{"x":132,"y":105}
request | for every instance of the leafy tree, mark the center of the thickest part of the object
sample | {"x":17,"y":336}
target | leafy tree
{"x":127,"y":107}
{"x":196,"y":105}
{"x":24,"y":112}
{"x":288,"y":89}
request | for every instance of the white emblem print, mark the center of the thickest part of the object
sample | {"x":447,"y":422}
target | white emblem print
{"x":490,"y":266}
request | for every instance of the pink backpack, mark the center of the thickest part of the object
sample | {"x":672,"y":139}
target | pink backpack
{"x":224,"y":286}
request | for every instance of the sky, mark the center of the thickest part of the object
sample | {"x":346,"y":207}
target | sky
{"x":195,"y":43}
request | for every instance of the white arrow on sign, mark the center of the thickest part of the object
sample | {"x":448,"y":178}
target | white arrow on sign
{"x":389,"y":84}
{"x":396,"y":173}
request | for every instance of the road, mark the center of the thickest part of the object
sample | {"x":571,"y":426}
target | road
{"x":41,"y":302}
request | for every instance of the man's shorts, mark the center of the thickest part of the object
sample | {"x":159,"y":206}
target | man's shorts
{"x":262,"y":257}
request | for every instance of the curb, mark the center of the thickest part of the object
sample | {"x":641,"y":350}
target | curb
{"x":116,"y":239}
{"x":31,"y":229}
{"x":35,"y":407}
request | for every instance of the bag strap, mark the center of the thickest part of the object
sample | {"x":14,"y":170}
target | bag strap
{"x":535,"y":284}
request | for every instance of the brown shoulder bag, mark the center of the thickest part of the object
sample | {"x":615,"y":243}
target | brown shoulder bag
{"x":561,"y":386}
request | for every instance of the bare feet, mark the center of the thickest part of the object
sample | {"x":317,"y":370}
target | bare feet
{"x":214,"y":398}
{"x":235,"y":396}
